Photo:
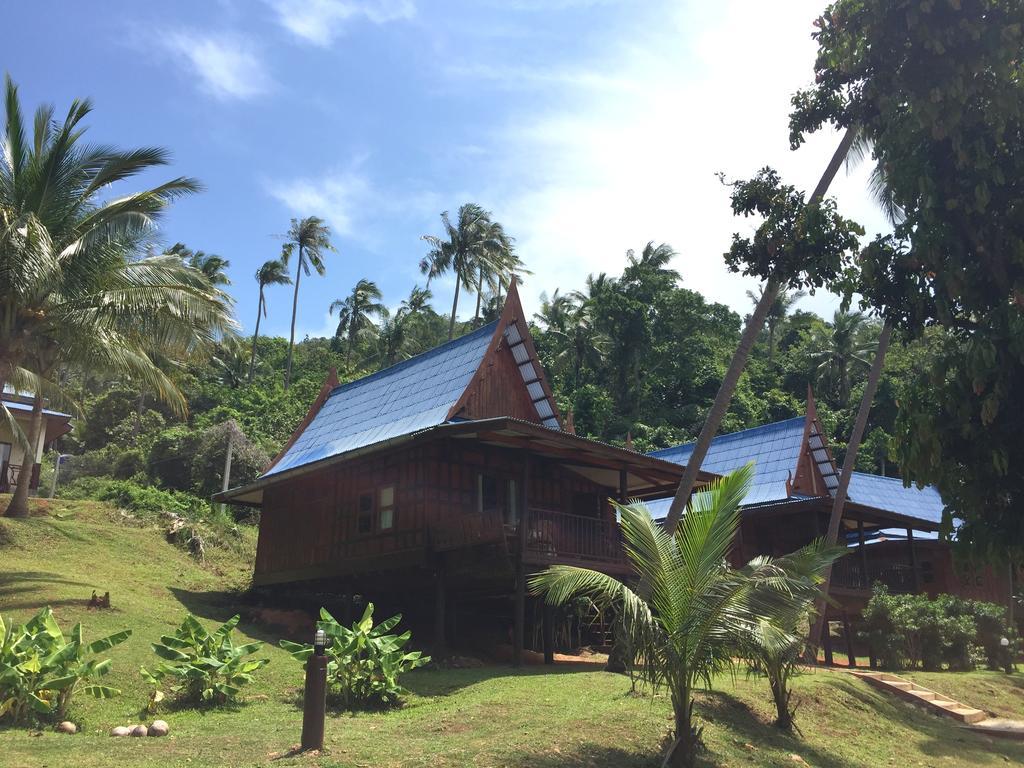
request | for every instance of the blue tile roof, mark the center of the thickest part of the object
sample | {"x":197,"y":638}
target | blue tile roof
{"x":407,"y":397}
{"x":774,"y":449}
{"x":889,"y":494}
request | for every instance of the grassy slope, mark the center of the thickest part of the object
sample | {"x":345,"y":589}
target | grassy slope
{"x":491,"y":716}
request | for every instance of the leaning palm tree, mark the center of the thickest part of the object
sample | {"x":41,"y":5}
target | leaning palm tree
{"x":273,"y":272}
{"x":751,"y":331}
{"x":73,"y":290}
{"x":473,"y":243}
{"x":311,"y":239}
{"x":356,"y":312}
{"x":697,"y":608}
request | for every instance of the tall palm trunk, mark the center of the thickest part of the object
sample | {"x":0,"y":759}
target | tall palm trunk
{"x":455,"y":306}
{"x":19,"y":503}
{"x":839,"y":502}
{"x":739,"y":359}
{"x":256,"y":335}
{"x":479,"y":290}
{"x":295,"y":307}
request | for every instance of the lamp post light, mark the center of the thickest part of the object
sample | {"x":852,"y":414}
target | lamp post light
{"x":314,"y":706}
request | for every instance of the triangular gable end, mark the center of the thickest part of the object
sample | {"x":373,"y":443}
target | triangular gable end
{"x":510,"y":380}
{"x":816,"y":473}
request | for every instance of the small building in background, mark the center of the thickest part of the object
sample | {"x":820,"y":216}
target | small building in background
{"x":15,"y":466}
{"x":892,"y":532}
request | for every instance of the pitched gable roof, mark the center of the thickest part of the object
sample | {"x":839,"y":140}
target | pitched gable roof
{"x":774,"y":448}
{"x":440,"y":385}
{"x":792,"y":460}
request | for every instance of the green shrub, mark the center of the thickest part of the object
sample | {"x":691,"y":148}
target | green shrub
{"x":203,"y":667}
{"x":40,"y":669}
{"x":992,"y":628}
{"x":141,"y":500}
{"x":364,"y":662}
{"x":907,"y":631}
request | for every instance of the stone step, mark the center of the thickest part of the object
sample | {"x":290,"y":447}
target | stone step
{"x":968,"y":715}
{"x":937,"y":703}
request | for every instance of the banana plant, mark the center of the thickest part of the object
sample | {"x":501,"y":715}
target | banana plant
{"x":41,"y":669}
{"x":202,"y":666}
{"x":364,"y":661}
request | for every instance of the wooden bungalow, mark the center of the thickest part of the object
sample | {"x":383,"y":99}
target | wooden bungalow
{"x":15,"y":465}
{"x":446,"y":477}
{"x":891,"y":531}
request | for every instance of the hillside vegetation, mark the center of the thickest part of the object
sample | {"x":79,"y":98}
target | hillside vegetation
{"x":573,"y":716}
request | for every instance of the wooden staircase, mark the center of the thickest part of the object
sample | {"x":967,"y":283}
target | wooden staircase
{"x":917,"y":694}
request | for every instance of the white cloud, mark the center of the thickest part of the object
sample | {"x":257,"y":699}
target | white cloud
{"x":228,"y":66}
{"x":336,"y":198}
{"x":320,"y":21}
{"x":596,"y":170}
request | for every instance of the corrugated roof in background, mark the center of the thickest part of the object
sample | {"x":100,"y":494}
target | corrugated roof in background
{"x":774,"y":449}
{"x":889,"y":494}
{"x":407,"y":397}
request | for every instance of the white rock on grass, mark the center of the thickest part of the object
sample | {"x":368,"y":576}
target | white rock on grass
{"x":120,"y":731}
{"x":159,"y":728}
{"x":140,"y":730}
{"x":67,"y":727}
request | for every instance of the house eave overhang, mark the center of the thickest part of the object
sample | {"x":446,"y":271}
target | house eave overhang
{"x":646,"y":476}
{"x":873,"y":516}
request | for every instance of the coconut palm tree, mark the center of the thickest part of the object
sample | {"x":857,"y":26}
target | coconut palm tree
{"x":310,"y":240}
{"x":842,"y":351}
{"x":569,"y":320}
{"x":73,"y":291}
{"x":210,"y":264}
{"x":751,"y":331}
{"x":697,"y":609}
{"x":356,"y":311}
{"x":273,"y":272}
{"x":391,"y":339}
{"x":418,"y":301}
{"x":777,"y":313}
{"x":473,"y":243}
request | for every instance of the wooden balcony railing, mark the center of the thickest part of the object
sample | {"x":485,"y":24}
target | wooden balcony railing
{"x":850,"y":573}
{"x":561,"y":536}
{"x":9,"y":474}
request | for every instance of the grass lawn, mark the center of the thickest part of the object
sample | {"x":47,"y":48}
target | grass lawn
{"x":494,"y":716}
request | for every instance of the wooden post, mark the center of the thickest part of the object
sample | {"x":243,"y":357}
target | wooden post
{"x":863,"y":554}
{"x":519,"y":611}
{"x":623,"y":486}
{"x":549,"y":633}
{"x":826,"y":642}
{"x":852,"y":663}
{"x":913,"y":561}
{"x":440,"y":595}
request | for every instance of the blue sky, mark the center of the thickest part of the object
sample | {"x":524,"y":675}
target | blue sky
{"x":587,"y":127}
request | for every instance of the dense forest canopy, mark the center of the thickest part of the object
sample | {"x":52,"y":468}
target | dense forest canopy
{"x":637,"y":355}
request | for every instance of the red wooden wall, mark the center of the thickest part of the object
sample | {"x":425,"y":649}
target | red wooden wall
{"x":312,"y":520}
